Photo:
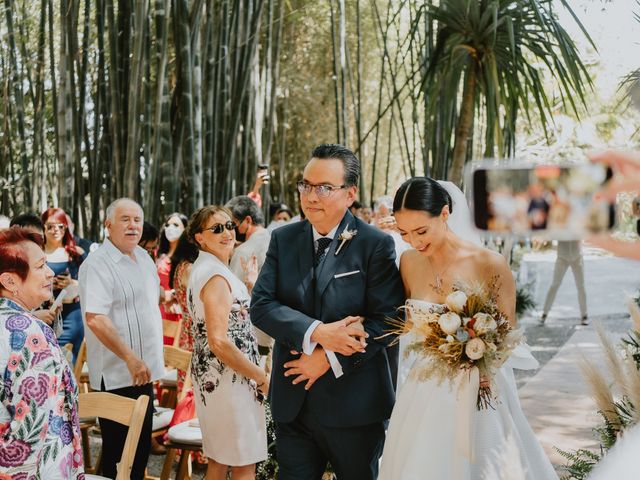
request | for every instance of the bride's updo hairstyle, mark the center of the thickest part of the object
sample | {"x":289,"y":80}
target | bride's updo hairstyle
{"x":422,"y":193}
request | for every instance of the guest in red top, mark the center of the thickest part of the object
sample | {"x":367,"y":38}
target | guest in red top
{"x":169,"y":235}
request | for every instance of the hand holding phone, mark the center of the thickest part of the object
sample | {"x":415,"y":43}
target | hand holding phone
{"x":263,"y":173}
{"x":58,"y":301}
{"x":554,"y":201}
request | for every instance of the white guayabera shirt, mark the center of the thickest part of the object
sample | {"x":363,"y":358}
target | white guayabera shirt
{"x":127,"y":292}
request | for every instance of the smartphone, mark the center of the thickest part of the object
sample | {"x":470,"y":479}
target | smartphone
{"x":58,"y":301}
{"x":263,"y":169}
{"x":553,"y":201}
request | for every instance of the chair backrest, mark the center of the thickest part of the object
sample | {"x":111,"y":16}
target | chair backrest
{"x":172,"y":329}
{"x":175,"y":357}
{"x":80,"y":360}
{"x":122,"y":410}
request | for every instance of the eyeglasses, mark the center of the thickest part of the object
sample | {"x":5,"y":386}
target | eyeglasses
{"x":323,"y":190}
{"x":219,"y":227}
{"x":55,"y":226}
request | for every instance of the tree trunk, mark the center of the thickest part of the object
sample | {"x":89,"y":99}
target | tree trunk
{"x":463,"y":129}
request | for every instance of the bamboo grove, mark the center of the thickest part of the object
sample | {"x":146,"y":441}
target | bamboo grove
{"x":176,"y":102}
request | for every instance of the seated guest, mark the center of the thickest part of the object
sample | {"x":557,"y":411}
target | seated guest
{"x":84,"y":243}
{"x":181,"y":262}
{"x":30,"y":221}
{"x":356,"y":209}
{"x":119,"y":294}
{"x":249,"y":256}
{"x":168,"y":241}
{"x":149,"y":239}
{"x":228,"y":384}
{"x":64,"y":257}
{"x":39,"y":429}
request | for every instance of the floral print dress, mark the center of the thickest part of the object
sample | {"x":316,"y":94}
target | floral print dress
{"x":185,"y":342}
{"x":39,"y":426}
{"x":228,"y":406}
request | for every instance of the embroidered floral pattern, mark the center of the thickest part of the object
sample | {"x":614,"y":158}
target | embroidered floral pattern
{"x":38,"y":402}
{"x":185,"y":341}
{"x":206,"y":369}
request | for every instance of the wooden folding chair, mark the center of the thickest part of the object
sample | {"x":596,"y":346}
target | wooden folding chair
{"x":174,"y":358}
{"x":180,"y":359}
{"x":122,"y":410}
{"x":172,"y":329}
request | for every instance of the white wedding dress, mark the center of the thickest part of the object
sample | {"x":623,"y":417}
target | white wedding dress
{"x":437,"y":433}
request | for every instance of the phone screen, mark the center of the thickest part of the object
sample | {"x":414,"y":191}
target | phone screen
{"x":553,"y":200}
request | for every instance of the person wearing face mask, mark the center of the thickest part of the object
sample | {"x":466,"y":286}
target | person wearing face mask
{"x":169,"y":236}
{"x":252,"y":251}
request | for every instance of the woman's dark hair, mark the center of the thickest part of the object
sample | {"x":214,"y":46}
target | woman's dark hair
{"x":422,"y":193}
{"x":27,"y":220}
{"x":149,"y":232}
{"x":186,"y":251}
{"x":163,"y":243}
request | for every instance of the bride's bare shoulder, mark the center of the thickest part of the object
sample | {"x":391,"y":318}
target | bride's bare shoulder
{"x":409,"y":260}
{"x":490,"y":262}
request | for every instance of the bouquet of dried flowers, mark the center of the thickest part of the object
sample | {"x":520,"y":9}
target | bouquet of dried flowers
{"x":467,"y":331}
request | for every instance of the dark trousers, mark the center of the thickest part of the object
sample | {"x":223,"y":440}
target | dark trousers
{"x":114,"y":435}
{"x":304,"y":447}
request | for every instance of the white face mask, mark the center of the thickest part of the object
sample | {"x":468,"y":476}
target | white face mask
{"x":172,"y":232}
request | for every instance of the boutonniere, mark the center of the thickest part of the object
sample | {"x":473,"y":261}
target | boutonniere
{"x":345,"y":236}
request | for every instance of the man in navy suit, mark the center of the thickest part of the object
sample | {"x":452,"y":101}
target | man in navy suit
{"x":325,"y":293}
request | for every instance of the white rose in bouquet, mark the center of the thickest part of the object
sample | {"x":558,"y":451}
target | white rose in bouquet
{"x":475,"y":349}
{"x":456,"y":300}
{"x":484,"y":323}
{"x":449,"y":322}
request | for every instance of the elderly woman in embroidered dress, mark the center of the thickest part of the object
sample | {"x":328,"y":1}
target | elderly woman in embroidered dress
{"x":39,"y":429}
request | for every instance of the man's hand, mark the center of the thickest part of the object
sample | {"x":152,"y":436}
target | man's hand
{"x":307,"y":368}
{"x":140,"y":373}
{"x":346,"y":336}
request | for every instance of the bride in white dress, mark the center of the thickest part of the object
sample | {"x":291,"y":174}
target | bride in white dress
{"x":436,"y":431}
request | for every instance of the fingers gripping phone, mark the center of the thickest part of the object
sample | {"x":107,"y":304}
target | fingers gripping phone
{"x":263,"y":170}
{"x":59,"y":299}
{"x":555,"y":201}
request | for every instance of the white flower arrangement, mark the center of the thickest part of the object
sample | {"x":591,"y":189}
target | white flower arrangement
{"x":344,"y":237}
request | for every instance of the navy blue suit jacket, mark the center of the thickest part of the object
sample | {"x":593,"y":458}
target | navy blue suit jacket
{"x":287,"y":299}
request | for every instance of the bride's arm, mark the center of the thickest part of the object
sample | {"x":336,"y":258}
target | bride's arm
{"x":506,"y":286}
{"x":405,"y":267}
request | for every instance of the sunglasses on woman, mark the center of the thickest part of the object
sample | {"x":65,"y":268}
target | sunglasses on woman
{"x":219,"y":227}
{"x":55,"y":226}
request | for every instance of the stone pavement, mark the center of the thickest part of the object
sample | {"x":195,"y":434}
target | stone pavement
{"x":555,"y":398}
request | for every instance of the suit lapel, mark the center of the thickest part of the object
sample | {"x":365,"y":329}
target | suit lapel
{"x":305,"y":257}
{"x":331,"y":262}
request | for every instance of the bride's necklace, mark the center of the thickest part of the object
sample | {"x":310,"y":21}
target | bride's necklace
{"x":437,"y":287}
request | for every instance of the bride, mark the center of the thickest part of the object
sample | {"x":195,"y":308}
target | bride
{"x":435,"y":431}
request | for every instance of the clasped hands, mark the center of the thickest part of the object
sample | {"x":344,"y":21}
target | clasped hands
{"x":346,"y":336}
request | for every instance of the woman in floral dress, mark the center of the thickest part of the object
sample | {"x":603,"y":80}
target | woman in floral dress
{"x":228,"y":383}
{"x":39,"y":428}
{"x":181,"y":262}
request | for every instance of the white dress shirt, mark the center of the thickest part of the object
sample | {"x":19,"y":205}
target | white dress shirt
{"x":307,"y":345}
{"x":127,"y":292}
